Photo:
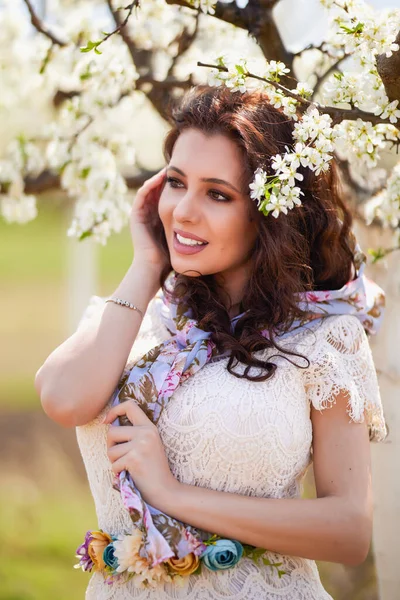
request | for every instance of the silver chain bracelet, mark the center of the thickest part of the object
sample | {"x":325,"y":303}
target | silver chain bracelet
{"x":125,"y":303}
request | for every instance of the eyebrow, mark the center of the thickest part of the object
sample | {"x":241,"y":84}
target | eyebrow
{"x":207,"y":179}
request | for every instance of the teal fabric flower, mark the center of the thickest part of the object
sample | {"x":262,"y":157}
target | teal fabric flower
{"x":109,"y":558}
{"x":224,"y":554}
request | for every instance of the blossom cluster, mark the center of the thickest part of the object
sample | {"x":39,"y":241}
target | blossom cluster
{"x":357,"y":27}
{"x":313,"y":136}
{"x":206,"y":6}
{"x":121,"y":558}
{"x":22,"y":158}
{"x":86,"y":143}
{"x":385,"y":205}
{"x":278,"y":193}
{"x":357,"y":30}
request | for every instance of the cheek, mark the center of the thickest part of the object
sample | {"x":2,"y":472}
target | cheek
{"x":165,"y":207}
{"x":236,"y":235}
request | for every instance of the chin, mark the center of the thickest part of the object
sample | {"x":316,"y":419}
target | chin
{"x":186,"y":267}
{"x":186,"y":271}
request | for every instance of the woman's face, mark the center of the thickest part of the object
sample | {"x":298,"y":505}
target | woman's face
{"x":202,"y":201}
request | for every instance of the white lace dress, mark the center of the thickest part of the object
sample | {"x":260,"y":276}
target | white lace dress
{"x":234,"y":435}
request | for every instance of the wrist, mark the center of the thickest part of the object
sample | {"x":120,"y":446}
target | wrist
{"x":138,"y":286}
{"x":150,"y":274}
{"x":169,"y":498}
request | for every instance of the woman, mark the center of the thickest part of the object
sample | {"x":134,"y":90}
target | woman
{"x":226,"y":448}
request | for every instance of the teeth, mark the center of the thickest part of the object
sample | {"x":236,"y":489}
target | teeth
{"x":188,"y":241}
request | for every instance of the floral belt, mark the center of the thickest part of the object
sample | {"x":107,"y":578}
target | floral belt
{"x":119,"y":558}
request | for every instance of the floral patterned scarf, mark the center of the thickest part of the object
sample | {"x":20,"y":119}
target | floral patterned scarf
{"x":152,"y":380}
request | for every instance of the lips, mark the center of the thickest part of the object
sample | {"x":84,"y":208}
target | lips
{"x":183,"y":249}
{"x":191,"y":236}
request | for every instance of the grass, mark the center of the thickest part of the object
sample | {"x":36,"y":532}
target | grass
{"x":40,"y":534}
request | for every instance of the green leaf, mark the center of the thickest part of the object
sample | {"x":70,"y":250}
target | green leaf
{"x":85,"y":234}
{"x":85,"y":172}
{"x":280,"y":573}
{"x":356,"y":29}
{"x":211,"y":540}
{"x":91,"y":46}
{"x":377,"y":254}
{"x":86,"y":75}
{"x":198,"y":570}
{"x":257,"y":553}
{"x":61,"y":169}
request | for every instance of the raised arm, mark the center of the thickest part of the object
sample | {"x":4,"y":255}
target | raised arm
{"x":77,"y":379}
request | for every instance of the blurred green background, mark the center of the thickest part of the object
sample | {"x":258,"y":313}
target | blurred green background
{"x":45,"y":502}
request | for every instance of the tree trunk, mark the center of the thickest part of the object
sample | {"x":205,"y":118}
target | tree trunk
{"x":386,"y":455}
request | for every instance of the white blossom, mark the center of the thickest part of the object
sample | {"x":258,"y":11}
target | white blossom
{"x":258,"y":185}
{"x":391,"y":112}
{"x":206,"y":6}
{"x":275,"y":70}
{"x":386,"y":204}
{"x":303,"y":89}
{"x":20,"y":209}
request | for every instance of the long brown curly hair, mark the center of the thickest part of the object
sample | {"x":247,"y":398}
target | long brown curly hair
{"x":310,"y":248}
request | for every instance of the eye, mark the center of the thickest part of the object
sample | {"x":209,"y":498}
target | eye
{"x":172,"y":181}
{"x":215,"y":194}
{"x":222,"y":197}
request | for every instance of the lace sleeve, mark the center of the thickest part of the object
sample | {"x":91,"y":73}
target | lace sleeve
{"x":341,"y":360}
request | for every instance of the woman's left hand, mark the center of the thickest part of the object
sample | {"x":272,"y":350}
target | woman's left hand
{"x":139,"y":450}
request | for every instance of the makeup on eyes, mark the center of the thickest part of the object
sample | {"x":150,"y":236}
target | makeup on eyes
{"x":207,"y":179}
{"x":226,"y":197}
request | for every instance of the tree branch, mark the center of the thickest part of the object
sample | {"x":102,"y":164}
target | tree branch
{"x":41,"y":27}
{"x":256,"y":18}
{"x":322,"y":78}
{"x":270,"y":41}
{"x":184,"y":41}
{"x":160,"y":92}
{"x":389,"y":72}
{"x":121,"y":23}
{"x":47,"y":181}
{"x":338,"y":114}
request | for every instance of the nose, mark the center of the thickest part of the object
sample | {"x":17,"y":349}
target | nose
{"x":187,"y":209}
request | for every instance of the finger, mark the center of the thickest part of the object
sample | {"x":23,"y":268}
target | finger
{"x":119,"y":465}
{"x":118,"y":451}
{"x":153,"y":181}
{"x":116,"y":435}
{"x":131,"y":409}
{"x":147,"y":193}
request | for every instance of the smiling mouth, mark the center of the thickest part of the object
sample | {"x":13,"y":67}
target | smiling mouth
{"x":188,"y":245}
{"x":187,"y":241}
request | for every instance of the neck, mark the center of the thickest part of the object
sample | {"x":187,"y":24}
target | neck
{"x":234,"y":284}
{"x":234,"y":310}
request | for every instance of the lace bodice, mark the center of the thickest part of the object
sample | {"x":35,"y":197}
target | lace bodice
{"x":240,"y":436}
